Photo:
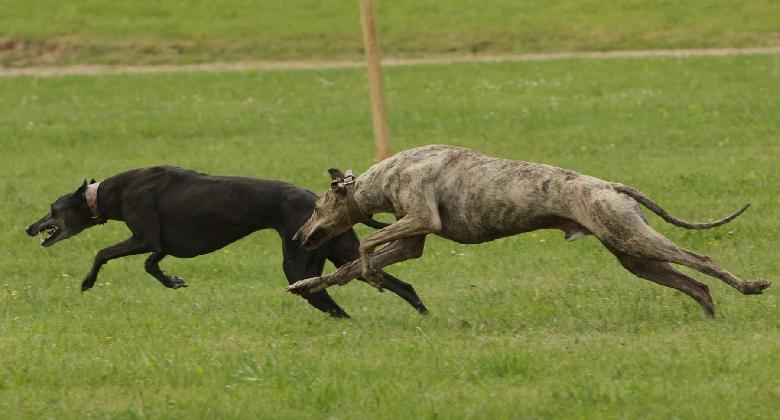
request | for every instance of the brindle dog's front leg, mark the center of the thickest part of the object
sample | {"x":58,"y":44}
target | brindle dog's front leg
{"x":405,"y":227}
{"x":400,"y":250}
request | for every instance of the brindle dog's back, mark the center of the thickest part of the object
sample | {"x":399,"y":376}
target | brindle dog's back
{"x":481,"y":198}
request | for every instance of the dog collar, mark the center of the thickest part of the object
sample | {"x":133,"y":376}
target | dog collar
{"x":90,"y":194}
{"x":354,"y":214}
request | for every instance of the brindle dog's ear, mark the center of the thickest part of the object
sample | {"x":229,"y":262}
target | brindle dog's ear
{"x":338,"y":186}
{"x":337,"y":183}
{"x":336,"y":174}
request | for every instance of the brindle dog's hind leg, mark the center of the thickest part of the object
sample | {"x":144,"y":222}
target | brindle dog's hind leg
{"x":707,"y":266}
{"x":645,"y":243}
{"x":664,"y":274}
{"x":621,"y":227}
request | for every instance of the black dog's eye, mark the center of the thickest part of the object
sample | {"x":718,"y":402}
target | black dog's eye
{"x":52,"y":212}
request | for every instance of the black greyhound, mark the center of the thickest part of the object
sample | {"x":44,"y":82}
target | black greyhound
{"x":178,"y":212}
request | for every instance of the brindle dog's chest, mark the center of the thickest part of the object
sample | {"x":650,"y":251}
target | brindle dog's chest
{"x":484,"y":217}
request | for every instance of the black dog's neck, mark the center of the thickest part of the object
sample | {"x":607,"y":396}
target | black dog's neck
{"x":108,"y":196}
{"x":90,"y":195}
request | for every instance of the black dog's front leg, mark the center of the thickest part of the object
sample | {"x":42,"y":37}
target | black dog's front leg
{"x":301,"y":264}
{"x":132,"y":246}
{"x":153,"y":268}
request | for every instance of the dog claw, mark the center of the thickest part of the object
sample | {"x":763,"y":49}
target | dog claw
{"x":176,"y":282}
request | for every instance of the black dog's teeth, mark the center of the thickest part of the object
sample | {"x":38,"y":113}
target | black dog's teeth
{"x":49,"y":230}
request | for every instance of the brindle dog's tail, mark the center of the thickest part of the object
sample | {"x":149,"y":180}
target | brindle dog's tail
{"x":655,"y":208}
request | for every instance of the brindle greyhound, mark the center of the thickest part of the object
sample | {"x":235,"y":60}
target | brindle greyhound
{"x":174,"y":211}
{"x":464,"y":196}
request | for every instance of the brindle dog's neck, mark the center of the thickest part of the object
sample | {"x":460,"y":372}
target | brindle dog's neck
{"x":369,"y":197}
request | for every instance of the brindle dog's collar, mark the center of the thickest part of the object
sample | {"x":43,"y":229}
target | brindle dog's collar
{"x":354,"y":214}
{"x":90,"y":194}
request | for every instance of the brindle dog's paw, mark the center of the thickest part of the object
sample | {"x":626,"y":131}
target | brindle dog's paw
{"x":176,"y":282}
{"x":755,"y":287}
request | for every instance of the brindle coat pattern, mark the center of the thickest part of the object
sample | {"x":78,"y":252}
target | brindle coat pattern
{"x":464,"y":196}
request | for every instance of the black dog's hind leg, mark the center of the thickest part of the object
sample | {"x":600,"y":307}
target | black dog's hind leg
{"x":344,"y":249}
{"x":301,"y":264}
{"x":132,"y":246}
{"x":152,"y":267}
{"x":402,"y":289}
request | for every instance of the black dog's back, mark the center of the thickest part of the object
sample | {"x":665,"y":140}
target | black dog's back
{"x":200,"y":213}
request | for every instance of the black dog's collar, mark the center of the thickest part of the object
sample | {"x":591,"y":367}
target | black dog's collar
{"x":90,"y":195}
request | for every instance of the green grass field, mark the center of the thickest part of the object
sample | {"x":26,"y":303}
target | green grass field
{"x":102,"y":31}
{"x":527,"y":326}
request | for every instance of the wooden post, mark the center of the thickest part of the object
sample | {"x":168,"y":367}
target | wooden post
{"x":375,"y":84}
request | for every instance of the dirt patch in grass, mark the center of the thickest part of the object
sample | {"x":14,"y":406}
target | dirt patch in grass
{"x":20,"y":52}
{"x":100,"y":69}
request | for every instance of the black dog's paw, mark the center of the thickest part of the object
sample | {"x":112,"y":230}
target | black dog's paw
{"x":176,"y":282}
{"x":87,"y":284}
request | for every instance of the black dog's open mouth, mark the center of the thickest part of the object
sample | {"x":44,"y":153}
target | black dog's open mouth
{"x":50,"y":232}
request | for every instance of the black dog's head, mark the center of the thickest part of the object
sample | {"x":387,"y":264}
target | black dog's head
{"x":68,"y":216}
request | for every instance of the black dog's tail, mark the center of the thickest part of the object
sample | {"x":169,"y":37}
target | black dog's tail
{"x":375,"y":224}
{"x":655,"y":208}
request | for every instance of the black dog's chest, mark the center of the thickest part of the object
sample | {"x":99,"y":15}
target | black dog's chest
{"x":200,"y":238}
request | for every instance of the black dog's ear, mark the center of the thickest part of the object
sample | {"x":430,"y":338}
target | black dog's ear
{"x":335,"y":174}
{"x":82,"y":187}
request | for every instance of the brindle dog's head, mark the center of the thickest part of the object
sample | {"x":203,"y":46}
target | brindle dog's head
{"x":68,"y":216}
{"x":331,"y":214}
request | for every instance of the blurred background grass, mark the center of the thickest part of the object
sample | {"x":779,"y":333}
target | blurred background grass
{"x":141,"y":32}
